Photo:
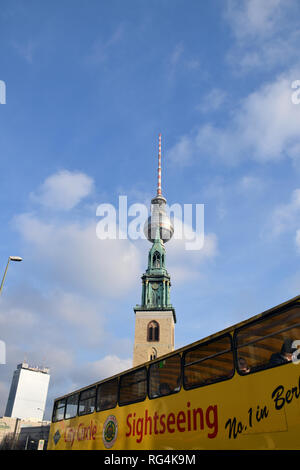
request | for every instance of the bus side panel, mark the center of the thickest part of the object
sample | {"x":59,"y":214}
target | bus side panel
{"x":256,"y":411}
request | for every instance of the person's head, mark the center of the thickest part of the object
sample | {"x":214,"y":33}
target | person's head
{"x":164,"y":389}
{"x":243,"y":366}
{"x":287,"y":350}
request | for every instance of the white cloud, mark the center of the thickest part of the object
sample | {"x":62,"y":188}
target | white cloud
{"x":176,"y":54}
{"x":71,"y":254}
{"x":94,"y":371}
{"x":268,"y":121}
{"x":264,"y":127}
{"x":61,"y":330}
{"x":286,"y":217}
{"x":266,"y":33}
{"x":45,"y":318}
{"x":250,"y":184}
{"x":254,"y":17}
{"x":25,"y":49}
{"x":179,"y":60}
{"x":213,"y":100}
{"x":80,"y":314}
{"x":17,"y":316}
{"x":102,"y":48}
{"x":183,"y":151}
{"x":297,"y":240}
{"x":63,"y":190}
{"x":185,"y":265}
{"x":108,"y":366}
{"x":193,"y":64}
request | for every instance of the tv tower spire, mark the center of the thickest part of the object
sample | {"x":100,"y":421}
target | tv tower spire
{"x":158,"y":218}
{"x":159,"y":167}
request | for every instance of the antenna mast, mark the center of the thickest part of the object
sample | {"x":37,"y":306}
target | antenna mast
{"x":159,"y":167}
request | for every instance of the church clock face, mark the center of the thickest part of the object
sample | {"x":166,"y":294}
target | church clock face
{"x":154,"y":285}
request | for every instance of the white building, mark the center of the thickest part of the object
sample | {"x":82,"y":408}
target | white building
{"x":28,"y":393}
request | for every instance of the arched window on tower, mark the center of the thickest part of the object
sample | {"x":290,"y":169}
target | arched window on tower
{"x":153,"y":354}
{"x":156,"y":260}
{"x":153,"y":331}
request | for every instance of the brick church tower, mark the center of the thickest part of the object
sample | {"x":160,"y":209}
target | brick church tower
{"x":155,"y":318}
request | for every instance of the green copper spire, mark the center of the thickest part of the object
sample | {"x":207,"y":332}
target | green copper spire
{"x":156,"y":280}
{"x":156,"y":258}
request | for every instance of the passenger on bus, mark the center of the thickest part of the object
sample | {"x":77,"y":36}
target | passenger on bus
{"x":164,"y":389}
{"x":106,"y":403}
{"x":178,"y":384}
{"x":285,"y":354}
{"x":243,"y":366}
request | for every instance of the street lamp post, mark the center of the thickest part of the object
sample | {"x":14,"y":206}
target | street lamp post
{"x":11,"y":258}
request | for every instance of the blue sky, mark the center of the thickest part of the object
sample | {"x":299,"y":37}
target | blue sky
{"x":89,"y":85}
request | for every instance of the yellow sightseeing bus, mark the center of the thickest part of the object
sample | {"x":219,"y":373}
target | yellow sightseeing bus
{"x":236,"y":389}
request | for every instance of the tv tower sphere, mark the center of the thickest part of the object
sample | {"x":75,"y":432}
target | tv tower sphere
{"x":158,"y":217}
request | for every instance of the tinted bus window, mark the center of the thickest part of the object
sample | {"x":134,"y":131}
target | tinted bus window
{"x":72,"y":405}
{"x":87,"y":401}
{"x":107,"y":395}
{"x":165,"y":376}
{"x":133,"y":386}
{"x":267,"y":342}
{"x":59,"y":410}
{"x":208,"y":363}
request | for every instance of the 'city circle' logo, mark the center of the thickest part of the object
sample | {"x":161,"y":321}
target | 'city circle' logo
{"x":110,"y":431}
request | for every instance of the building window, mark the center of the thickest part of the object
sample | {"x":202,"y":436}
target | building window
{"x":268,"y":341}
{"x":87,"y":401}
{"x":156,"y":260}
{"x":208,"y":363}
{"x":153,"y":331}
{"x":153,"y":354}
{"x":133,"y":387}
{"x":107,"y":395}
{"x":59,"y":410}
{"x":165,"y":376}
{"x":72,"y":404}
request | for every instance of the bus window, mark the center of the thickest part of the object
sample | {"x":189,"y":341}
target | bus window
{"x":208,"y":363}
{"x":59,"y":410}
{"x":87,"y":401}
{"x":107,"y":395}
{"x":71,"y":407}
{"x":133,"y":386}
{"x":165,"y":376}
{"x":267,"y":342}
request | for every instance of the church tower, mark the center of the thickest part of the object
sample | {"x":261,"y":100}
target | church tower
{"x":155,"y":318}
